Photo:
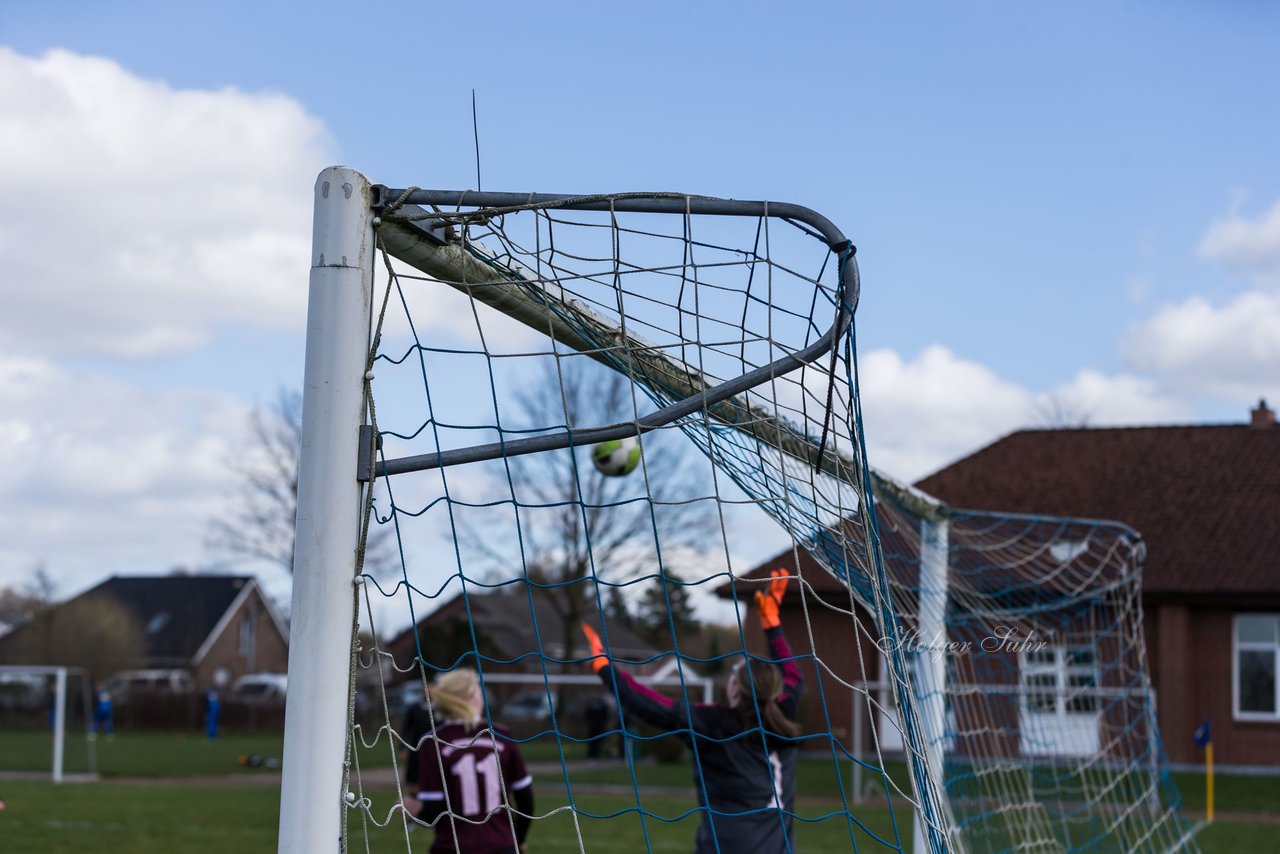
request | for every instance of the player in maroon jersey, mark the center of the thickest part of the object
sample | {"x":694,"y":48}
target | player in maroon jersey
{"x":472,"y":780}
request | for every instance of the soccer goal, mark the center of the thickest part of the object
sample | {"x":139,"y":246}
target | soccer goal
{"x":1027,"y":656}
{"x":37,"y":706}
{"x":465,"y":353}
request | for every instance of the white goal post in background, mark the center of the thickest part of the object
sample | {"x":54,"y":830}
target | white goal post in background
{"x":27,"y":684}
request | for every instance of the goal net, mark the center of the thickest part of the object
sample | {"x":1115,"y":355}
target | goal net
{"x":474,"y":348}
{"x":1027,"y":656}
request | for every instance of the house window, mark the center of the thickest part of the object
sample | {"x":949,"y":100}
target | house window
{"x":247,"y":626}
{"x":1081,"y":672}
{"x":1257,"y":659}
{"x":1065,"y":551}
{"x":1060,"y":680}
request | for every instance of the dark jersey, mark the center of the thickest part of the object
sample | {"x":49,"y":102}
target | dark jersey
{"x":473,"y":774}
{"x":745,"y":777}
{"x":417,"y":723}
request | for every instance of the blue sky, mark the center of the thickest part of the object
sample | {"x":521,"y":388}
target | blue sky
{"x":1072,"y":203}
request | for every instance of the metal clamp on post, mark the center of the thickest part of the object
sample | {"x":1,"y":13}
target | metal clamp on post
{"x":370,"y":444}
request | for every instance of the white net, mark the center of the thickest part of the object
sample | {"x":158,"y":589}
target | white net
{"x":1033,"y":667}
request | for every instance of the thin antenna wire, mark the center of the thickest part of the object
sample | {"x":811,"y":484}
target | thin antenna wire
{"x":475,"y":129}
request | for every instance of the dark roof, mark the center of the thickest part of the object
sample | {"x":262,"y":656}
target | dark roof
{"x":1206,"y":499}
{"x":177,"y":613}
{"x":506,"y":618}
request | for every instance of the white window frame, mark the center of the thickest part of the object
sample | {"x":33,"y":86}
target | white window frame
{"x":1061,"y":670}
{"x":1257,"y":646}
{"x":248,"y":640}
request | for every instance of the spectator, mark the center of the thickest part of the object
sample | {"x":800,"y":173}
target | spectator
{"x":417,"y":723}
{"x":212,"y":707}
{"x":103,"y":714}
{"x":599,"y":715}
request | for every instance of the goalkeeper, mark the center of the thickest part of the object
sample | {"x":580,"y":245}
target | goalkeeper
{"x":745,"y":750}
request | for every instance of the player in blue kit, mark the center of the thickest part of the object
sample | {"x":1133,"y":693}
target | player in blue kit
{"x":472,"y":780}
{"x":745,"y":749}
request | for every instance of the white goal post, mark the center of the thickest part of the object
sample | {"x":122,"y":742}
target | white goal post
{"x":321,"y":631}
{"x":30,"y":682}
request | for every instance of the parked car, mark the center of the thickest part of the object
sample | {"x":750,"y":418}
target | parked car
{"x":25,"y":692}
{"x":406,"y":694}
{"x":260,"y":688}
{"x":399,"y":697}
{"x":171,"y":681}
{"x":528,"y":706}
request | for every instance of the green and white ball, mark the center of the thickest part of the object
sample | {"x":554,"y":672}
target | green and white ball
{"x":617,"y":457}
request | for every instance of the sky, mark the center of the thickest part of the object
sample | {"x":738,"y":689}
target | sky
{"x":1058,"y":208}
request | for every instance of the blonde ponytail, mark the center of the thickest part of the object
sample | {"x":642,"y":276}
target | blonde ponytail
{"x":454,"y":696}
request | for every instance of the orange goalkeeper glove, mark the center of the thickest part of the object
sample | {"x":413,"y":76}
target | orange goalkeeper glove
{"x":599,"y":661}
{"x":768,"y":600}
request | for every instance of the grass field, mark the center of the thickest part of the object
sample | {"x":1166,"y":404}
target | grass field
{"x":153,"y":818}
{"x":172,"y":793}
{"x":161,"y":754}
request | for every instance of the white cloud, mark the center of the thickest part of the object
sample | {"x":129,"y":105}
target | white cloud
{"x":924,"y":413}
{"x":921,"y":414}
{"x":139,"y":221}
{"x":470,"y":324}
{"x":104,"y":477}
{"x":1248,"y":245}
{"x":136,"y":218}
{"x":1230,"y":351}
{"x":1095,"y":399}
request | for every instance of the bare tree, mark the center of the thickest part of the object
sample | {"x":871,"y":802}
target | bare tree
{"x":25,"y":602}
{"x":94,"y":632}
{"x":590,"y":526}
{"x":1057,"y":413}
{"x":260,"y":524}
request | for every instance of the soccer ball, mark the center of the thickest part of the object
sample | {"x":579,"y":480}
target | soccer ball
{"x":617,"y":457}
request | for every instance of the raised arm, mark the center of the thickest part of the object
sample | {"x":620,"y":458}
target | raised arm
{"x":768,"y":602}
{"x":640,"y":700}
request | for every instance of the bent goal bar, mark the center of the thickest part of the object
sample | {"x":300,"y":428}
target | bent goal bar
{"x":422,"y":240}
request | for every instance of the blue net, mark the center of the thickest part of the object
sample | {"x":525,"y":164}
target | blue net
{"x":502,"y":328}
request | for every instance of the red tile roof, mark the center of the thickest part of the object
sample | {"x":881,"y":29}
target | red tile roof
{"x":1206,"y":499}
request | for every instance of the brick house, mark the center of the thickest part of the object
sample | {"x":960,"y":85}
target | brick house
{"x":208,"y":629}
{"x":1206,"y":500}
{"x":517,"y":635}
{"x":512,"y":632}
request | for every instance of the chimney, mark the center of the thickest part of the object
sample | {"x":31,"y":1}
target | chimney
{"x":1262,"y":417}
